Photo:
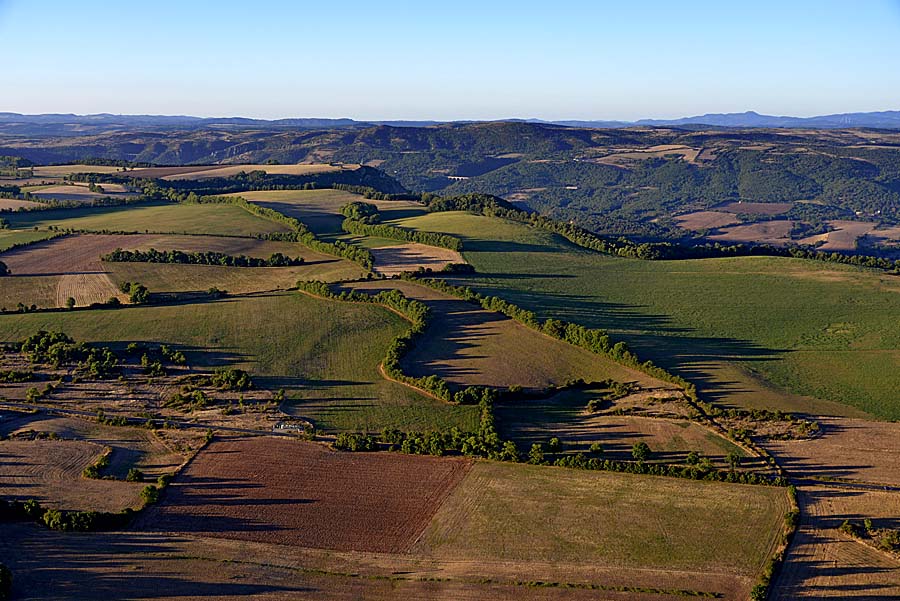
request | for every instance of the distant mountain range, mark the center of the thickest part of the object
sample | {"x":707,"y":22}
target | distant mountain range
{"x":74,"y":125}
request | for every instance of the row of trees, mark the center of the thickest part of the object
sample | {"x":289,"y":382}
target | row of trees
{"x":360,"y":228}
{"x":199,"y":258}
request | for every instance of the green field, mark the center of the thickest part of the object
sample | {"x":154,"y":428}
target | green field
{"x":325,"y":354}
{"x":9,"y":238}
{"x":750,"y":331}
{"x":226,"y":220}
{"x":504,"y":512}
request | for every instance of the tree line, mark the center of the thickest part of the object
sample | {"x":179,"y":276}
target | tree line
{"x":199,"y":258}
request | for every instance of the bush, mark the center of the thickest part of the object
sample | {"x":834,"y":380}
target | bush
{"x":134,"y":475}
{"x":150,"y":494}
{"x":640,"y":451}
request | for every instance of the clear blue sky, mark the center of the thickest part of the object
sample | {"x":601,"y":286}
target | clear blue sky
{"x":450,"y":60}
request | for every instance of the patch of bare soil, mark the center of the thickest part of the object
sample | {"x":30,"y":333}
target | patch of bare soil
{"x":776,"y":232}
{"x":288,"y":492}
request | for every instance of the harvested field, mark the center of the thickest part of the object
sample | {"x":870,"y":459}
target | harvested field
{"x":232,"y":170}
{"x":843,"y":237}
{"x":177,"y":567}
{"x":290,"y":492}
{"x":822,"y":563}
{"x":521,"y":513}
{"x":849,"y":449}
{"x":63,"y":170}
{"x":72,"y":262}
{"x":469,"y":346}
{"x":755,"y":208}
{"x":12,"y":204}
{"x":81,"y":193}
{"x":885,"y":235}
{"x":392,"y":260}
{"x":706,"y":220}
{"x":132,"y":447}
{"x":50,"y":472}
{"x":767,"y":232}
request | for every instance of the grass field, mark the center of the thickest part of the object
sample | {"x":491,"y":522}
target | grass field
{"x":325,"y":354}
{"x":10,"y":237}
{"x":226,"y":220}
{"x":750,"y":331}
{"x":523,"y":513}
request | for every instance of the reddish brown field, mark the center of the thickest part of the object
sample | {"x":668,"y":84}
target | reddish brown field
{"x":289,"y":492}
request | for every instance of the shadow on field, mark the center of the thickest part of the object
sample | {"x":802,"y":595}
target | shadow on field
{"x":651,"y":336}
{"x":122,"y":565}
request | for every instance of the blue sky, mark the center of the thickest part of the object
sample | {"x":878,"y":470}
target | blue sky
{"x":450,"y":60}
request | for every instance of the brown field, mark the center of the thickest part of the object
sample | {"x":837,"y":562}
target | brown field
{"x":843,"y":237}
{"x":849,"y":449}
{"x":705,"y":220}
{"x":169,"y":567}
{"x":290,"y":492}
{"x":767,"y":232}
{"x":756,"y":208}
{"x":9,"y":203}
{"x":50,"y":472}
{"x":685,"y":152}
{"x":392,"y":260}
{"x":230,"y":170}
{"x":822,"y":563}
{"x":469,"y":346}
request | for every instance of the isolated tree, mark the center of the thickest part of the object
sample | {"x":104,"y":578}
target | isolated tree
{"x":554,"y":445}
{"x":693,"y":458}
{"x":70,"y":303}
{"x":640,"y":451}
{"x":596,"y":449}
{"x":733,"y":459}
{"x":4,"y":270}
